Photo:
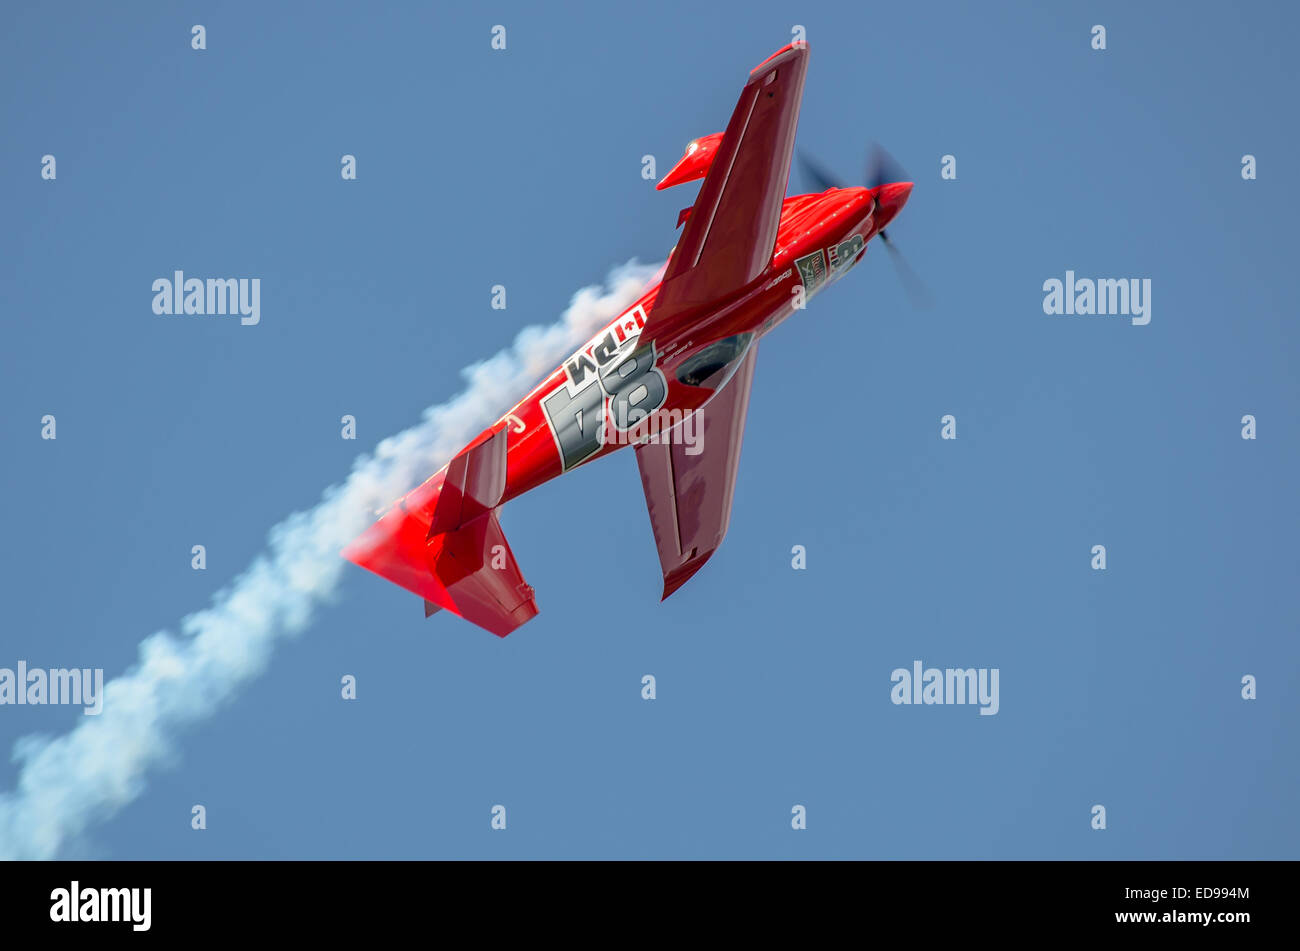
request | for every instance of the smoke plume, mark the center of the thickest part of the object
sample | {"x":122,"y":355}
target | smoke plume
{"x":67,"y":783}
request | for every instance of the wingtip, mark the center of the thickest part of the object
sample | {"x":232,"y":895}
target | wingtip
{"x":678,"y":577}
{"x":796,"y":45}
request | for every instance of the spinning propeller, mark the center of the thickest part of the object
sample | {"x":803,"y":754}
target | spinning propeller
{"x":882,"y":169}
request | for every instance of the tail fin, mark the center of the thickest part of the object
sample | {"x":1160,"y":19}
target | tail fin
{"x":443,"y":541}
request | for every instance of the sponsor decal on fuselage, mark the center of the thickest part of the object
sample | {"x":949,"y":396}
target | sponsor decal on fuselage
{"x":813,"y":268}
{"x":778,"y":279}
{"x":842,"y":255}
{"x":613,"y":376}
{"x":812,"y":271}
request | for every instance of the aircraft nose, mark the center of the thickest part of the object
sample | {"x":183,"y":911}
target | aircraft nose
{"x":890,"y":200}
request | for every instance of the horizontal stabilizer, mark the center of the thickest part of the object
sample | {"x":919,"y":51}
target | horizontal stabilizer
{"x":476,"y":480}
{"x":469,"y":570}
{"x":482,"y":580}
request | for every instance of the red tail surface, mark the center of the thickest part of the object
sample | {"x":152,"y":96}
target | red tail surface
{"x":443,"y":541}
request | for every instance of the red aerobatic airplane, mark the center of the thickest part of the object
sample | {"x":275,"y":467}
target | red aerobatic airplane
{"x":748,"y":257}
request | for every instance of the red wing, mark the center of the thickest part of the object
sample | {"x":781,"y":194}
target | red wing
{"x":731,"y":232}
{"x":689,"y":496}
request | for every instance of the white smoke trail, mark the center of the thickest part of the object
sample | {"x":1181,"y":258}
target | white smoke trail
{"x":88,"y":774}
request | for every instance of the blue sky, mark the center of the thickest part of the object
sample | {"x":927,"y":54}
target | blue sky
{"x":522,"y":167}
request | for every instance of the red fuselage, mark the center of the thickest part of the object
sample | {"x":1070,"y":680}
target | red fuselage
{"x":826,"y":234}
